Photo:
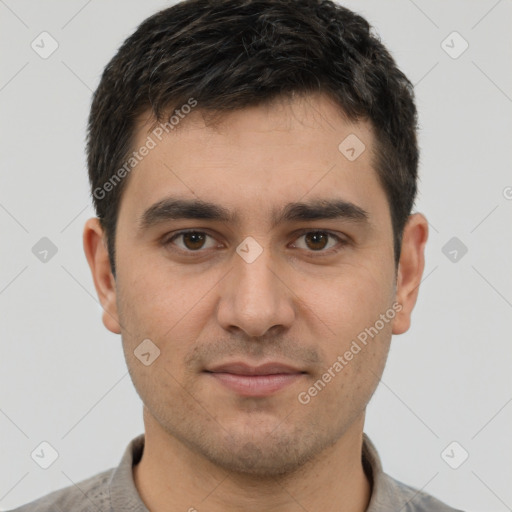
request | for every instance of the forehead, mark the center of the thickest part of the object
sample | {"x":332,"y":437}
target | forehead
{"x":282,"y":151}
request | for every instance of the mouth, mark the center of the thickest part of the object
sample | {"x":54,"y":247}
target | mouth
{"x":255,"y":381}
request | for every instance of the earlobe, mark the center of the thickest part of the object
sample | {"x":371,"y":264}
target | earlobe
{"x":410,"y":270}
{"x":97,"y":256}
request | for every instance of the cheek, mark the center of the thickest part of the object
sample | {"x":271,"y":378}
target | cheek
{"x":354,"y":358}
{"x":349,"y":302}
{"x":167,"y":307}
{"x":356,"y":345}
{"x":151,"y":296}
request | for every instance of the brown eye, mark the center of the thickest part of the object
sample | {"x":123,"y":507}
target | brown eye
{"x":316,"y":240}
{"x":191,"y":241}
{"x":322,"y":242}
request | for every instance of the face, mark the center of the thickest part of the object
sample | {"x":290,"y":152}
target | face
{"x":252,"y":278}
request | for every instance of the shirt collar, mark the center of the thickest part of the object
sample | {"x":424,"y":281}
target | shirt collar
{"x":123,"y":493}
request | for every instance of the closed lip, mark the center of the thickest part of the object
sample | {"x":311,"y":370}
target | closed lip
{"x":241,"y":368}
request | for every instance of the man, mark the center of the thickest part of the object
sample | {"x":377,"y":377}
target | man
{"x":253,"y":165}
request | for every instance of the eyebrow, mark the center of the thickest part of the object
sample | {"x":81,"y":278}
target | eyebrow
{"x":319,"y":209}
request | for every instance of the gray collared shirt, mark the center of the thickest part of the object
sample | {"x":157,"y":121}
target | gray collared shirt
{"x":114,"y":490}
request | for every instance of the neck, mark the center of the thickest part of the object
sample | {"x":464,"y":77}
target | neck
{"x":170,"y":477}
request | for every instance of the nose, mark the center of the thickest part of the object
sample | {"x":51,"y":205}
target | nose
{"x":255,"y":297}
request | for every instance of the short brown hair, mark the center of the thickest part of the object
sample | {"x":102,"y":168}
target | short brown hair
{"x":231,"y":54}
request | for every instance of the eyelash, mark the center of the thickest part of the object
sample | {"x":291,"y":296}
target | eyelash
{"x":333,"y":250}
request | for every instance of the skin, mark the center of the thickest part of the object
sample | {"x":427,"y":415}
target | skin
{"x":295,"y":304}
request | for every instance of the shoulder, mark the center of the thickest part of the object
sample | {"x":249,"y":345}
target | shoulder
{"x":91,"y":494}
{"x":414,"y":500}
{"x":389,"y":494}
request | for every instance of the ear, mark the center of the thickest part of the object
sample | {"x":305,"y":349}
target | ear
{"x":96,"y":252}
{"x":410,"y":269}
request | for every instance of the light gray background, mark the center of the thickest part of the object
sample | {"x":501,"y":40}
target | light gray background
{"x":63,"y":375}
